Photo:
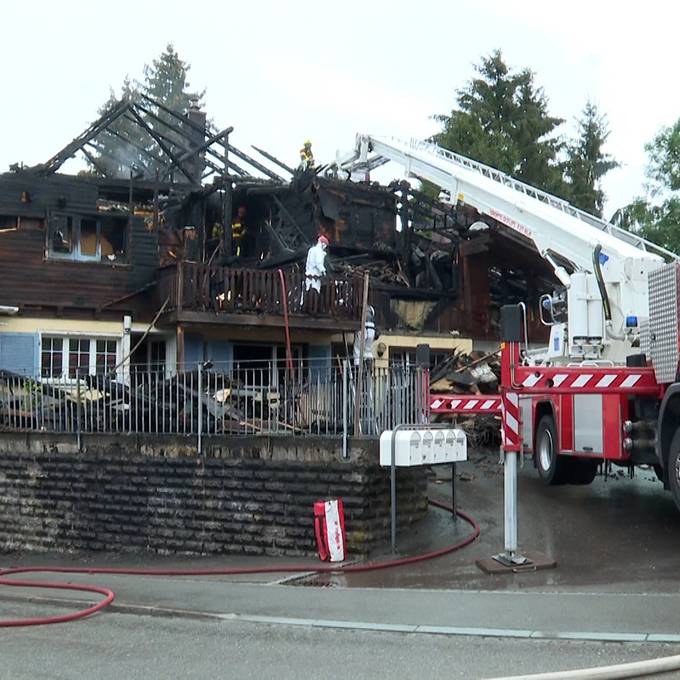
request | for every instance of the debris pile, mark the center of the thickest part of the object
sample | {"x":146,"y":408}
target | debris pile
{"x":462,"y":373}
{"x":474,"y":373}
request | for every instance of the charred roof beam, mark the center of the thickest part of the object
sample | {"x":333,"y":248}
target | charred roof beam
{"x":232,"y":149}
{"x":166,"y":149}
{"x":107,"y":152}
{"x":53,"y":164}
{"x":274,"y":159}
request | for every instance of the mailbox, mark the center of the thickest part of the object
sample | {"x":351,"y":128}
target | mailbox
{"x":439,"y":446}
{"x":455,"y":443}
{"x":423,"y":447}
{"x":407,"y":448}
{"x":428,"y":447}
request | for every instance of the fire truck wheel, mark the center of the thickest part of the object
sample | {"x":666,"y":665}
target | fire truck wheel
{"x":551,"y":467}
{"x":673,"y":468}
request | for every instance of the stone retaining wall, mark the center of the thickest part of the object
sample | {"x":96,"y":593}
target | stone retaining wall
{"x":250,"y":495}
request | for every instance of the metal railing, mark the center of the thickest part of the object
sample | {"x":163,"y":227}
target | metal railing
{"x":232,"y":399}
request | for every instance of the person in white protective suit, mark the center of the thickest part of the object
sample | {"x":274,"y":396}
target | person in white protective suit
{"x":369,"y":338}
{"x":315,"y":267}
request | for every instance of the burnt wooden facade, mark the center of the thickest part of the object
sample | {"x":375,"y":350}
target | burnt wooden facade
{"x":39,"y":280}
{"x":155,"y":244}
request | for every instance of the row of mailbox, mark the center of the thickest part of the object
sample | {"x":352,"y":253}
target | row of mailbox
{"x":423,"y":447}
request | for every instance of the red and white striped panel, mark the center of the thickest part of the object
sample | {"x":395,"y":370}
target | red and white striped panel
{"x":510,"y":422}
{"x":459,"y":404}
{"x":587,"y":379}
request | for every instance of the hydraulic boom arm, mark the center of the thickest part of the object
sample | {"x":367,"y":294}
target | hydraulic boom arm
{"x":604,"y":265}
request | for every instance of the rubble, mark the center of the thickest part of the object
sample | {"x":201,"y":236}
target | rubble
{"x":461,"y":373}
{"x":473,"y":373}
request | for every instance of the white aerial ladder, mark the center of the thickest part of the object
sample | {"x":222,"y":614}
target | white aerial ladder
{"x":603,"y":269}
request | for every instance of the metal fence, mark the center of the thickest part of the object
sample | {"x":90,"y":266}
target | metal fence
{"x":244,"y":398}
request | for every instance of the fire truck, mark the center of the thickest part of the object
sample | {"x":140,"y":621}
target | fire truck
{"x":605,"y":389}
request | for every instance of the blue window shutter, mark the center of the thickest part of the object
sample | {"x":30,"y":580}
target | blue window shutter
{"x":19,"y":352}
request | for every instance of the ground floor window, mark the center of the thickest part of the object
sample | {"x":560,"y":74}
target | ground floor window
{"x":76,"y":356}
{"x":106,"y":356}
{"x":51,"y":357}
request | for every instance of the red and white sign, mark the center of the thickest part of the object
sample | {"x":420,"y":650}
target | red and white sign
{"x":460,"y":404}
{"x":510,"y":422}
{"x":586,"y":379}
{"x":329,"y":527}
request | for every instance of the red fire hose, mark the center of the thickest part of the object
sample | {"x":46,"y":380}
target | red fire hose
{"x":110,"y":595}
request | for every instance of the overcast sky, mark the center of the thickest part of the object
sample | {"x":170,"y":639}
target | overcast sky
{"x":280,"y":72}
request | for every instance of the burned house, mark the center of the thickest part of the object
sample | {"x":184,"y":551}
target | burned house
{"x":154,"y":308}
{"x":135,"y":264}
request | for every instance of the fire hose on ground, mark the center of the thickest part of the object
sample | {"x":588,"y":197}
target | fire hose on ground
{"x":109,"y":595}
{"x":630,"y":670}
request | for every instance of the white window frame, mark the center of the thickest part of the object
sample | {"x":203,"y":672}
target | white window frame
{"x":65,"y":353}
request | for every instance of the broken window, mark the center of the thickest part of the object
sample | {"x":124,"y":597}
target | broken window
{"x":113,"y":236}
{"x":87,"y":238}
{"x":61,"y":235}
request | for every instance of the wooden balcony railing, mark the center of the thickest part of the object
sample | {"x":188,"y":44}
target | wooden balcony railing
{"x":212,"y":288}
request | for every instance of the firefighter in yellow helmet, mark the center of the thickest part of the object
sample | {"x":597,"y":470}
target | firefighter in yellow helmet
{"x":306,"y":156}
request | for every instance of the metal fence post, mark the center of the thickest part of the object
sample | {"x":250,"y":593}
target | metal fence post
{"x":345,"y":399}
{"x":78,"y":436}
{"x":200,"y":409}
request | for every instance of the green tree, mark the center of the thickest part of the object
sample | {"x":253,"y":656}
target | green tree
{"x":128,"y":144}
{"x":502,"y":120}
{"x":166,"y":81}
{"x":657,"y":217}
{"x":587,"y":163}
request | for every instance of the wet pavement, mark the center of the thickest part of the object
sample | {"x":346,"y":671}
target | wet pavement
{"x":616,"y":543}
{"x":615,"y":535}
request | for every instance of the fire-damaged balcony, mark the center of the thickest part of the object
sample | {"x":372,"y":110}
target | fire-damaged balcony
{"x":197,"y":293}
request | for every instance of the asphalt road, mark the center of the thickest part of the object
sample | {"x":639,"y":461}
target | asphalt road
{"x":616,"y":543}
{"x":121,"y":646}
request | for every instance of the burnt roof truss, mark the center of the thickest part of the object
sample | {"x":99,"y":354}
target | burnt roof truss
{"x":180,"y":149}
